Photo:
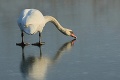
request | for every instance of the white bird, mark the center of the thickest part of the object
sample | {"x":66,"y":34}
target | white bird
{"x":32,"y":21}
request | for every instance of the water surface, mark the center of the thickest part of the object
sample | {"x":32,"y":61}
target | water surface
{"x":95,"y":54}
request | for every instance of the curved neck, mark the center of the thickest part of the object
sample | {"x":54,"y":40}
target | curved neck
{"x":55,"y":22}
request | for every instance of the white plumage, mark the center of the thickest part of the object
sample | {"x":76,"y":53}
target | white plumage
{"x":32,"y":21}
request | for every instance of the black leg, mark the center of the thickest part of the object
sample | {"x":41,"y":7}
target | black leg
{"x":22,"y":43}
{"x":39,"y":43}
{"x":22,"y":35}
{"x":39,"y":37}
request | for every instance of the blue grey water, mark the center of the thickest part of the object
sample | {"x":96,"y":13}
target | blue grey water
{"x":95,"y":54}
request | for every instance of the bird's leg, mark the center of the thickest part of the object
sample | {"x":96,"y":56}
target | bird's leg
{"x":39,"y":43}
{"x":40,"y":39}
{"x":22,"y":43}
{"x":22,"y":35}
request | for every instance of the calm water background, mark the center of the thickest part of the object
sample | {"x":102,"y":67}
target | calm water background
{"x":94,"y":56}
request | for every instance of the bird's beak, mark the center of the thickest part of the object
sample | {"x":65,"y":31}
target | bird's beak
{"x":72,"y":35}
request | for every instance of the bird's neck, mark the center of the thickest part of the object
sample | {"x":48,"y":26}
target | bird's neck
{"x":55,"y":22}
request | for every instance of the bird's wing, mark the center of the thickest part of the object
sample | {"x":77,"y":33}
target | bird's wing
{"x":32,"y":17}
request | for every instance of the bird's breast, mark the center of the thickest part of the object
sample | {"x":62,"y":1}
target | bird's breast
{"x":30,"y":29}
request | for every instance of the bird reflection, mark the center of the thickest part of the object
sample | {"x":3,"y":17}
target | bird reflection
{"x":35,"y":68}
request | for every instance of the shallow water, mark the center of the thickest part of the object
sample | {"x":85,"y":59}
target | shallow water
{"x":95,"y":54}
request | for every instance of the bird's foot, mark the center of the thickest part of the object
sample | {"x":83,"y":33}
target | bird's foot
{"x":38,"y":43}
{"x":22,"y":44}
